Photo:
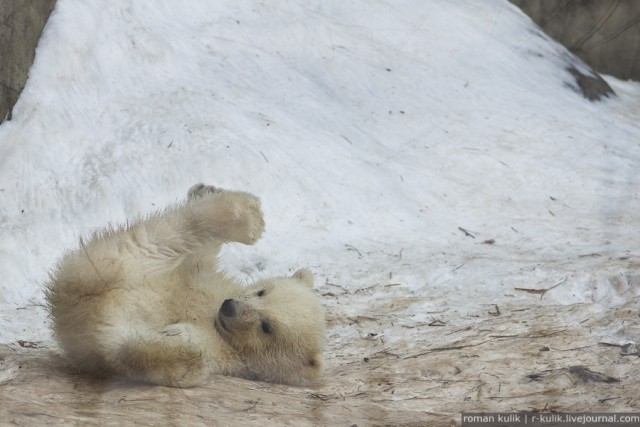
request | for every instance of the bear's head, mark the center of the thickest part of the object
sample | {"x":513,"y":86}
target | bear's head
{"x":277,"y":327}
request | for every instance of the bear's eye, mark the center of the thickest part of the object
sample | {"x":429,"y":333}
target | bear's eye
{"x":265,"y":326}
{"x":260,"y":293}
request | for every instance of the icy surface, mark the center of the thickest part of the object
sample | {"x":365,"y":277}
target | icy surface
{"x":433,"y":150}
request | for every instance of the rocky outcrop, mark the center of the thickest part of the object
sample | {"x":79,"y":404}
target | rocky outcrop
{"x":603,"y":33}
{"x":21,"y":23}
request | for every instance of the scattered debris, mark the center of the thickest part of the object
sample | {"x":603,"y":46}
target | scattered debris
{"x":628,"y":349}
{"x":535,"y":377}
{"x":358,"y":319}
{"x":354,"y":249}
{"x":28,"y":344}
{"x":585,"y":375}
{"x":320,"y":396}
{"x":592,"y":255}
{"x":495,"y":313}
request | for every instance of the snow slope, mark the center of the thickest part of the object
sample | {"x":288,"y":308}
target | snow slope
{"x":439,"y":148}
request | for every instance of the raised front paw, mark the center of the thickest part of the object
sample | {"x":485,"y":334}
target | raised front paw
{"x":240,"y":216}
{"x":228,"y":215}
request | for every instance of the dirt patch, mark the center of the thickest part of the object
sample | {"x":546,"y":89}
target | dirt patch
{"x":384,"y":369}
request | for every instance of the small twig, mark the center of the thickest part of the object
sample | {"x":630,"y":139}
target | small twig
{"x":337,"y":286}
{"x":353,"y":248}
{"x":320,"y":396}
{"x":390,"y":285}
{"x":609,"y":344}
{"x":458,"y":267}
{"x":31,"y":305}
{"x":437,"y":322}
{"x":495,"y":313}
{"x":541,"y":291}
{"x":590,"y":255}
{"x":608,"y":398}
{"x":438,"y":349}
{"x":346,"y":139}
{"x":385,"y":352}
{"x":572,"y":349}
{"x":531,"y":291}
{"x":357,"y":319}
{"x":368,"y":288}
{"x":553,"y":287}
{"x":466,"y":233}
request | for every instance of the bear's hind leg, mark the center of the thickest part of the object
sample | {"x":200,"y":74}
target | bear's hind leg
{"x":174,"y":356}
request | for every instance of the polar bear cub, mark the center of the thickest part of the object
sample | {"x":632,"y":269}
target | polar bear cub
{"x":147,"y":301}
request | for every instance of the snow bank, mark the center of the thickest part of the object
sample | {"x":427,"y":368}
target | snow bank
{"x":437,"y":149}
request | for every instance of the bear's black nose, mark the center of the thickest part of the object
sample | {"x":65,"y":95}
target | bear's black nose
{"x":228,"y":308}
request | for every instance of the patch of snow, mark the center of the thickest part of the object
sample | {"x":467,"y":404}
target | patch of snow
{"x":436,"y":151}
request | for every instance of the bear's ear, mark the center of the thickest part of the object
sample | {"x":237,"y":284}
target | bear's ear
{"x":305,"y":276}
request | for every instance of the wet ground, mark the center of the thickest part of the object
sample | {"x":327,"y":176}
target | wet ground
{"x":383,"y":370}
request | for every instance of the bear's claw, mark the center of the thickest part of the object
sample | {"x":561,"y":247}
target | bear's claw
{"x":200,"y":189}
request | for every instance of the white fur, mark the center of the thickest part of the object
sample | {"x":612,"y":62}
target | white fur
{"x":144,"y":301}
